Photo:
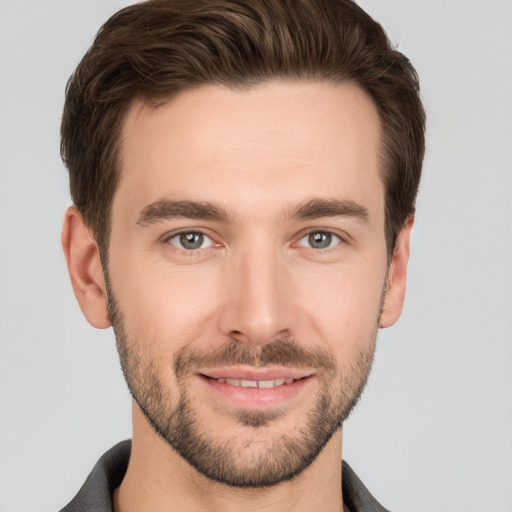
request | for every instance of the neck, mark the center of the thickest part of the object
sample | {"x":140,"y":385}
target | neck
{"x":158,"y":479}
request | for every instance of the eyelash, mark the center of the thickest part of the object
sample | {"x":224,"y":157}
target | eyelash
{"x":323,"y":233}
{"x":212,"y":243}
{"x":179,"y":234}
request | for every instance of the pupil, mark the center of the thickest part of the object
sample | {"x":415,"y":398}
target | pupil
{"x":191,"y":240}
{"x":320,"y":240}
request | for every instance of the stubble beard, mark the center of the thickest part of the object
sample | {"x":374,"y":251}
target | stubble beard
{"x":269,"y":463}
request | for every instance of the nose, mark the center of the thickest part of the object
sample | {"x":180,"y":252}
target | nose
{"x":257,"y":303}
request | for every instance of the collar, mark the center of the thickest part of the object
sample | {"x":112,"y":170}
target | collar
{"x":108,"y":473}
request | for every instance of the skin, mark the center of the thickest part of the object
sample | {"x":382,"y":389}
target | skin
{"x":259,"y":154}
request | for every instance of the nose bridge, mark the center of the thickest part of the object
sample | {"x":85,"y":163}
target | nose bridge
{"x":256,"y":307}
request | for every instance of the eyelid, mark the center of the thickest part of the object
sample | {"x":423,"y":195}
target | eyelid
{"x":343,"y":237}
{"x":175,"y":233}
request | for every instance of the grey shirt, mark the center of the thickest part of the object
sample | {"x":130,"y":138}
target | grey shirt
{"x":96,"y":493}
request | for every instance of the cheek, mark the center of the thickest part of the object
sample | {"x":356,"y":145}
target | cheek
{"x":343,"y":306}
{"x":160,"y":302}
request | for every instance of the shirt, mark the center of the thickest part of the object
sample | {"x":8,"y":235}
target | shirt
{"x":108,"y":473}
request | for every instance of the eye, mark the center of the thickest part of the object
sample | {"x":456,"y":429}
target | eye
{"x":191,"y":240}
{"x":320,"y":240}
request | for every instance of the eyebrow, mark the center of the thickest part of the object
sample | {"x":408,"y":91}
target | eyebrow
{"x":317,"y":208}
{"x":168,"y":209}
{"x":312,"y":209}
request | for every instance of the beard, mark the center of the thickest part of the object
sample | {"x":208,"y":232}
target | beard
{"x":253,"y":462}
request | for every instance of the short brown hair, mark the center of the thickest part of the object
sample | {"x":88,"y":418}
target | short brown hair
{"x":154,"y":49}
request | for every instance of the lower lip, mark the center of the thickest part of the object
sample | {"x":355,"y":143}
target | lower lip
{"x":254,"y":398}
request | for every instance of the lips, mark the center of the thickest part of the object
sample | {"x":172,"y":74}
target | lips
{"x":253,"y":388}
{"x":256,"y":375}
{"x":262,"y":384}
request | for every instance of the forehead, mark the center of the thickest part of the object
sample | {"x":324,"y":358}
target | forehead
{"x":270,"y":144}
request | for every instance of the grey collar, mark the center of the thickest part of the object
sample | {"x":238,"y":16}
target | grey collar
{"x":108,"y":473}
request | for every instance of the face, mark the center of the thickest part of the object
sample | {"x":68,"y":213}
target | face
{"x":247,"y":271}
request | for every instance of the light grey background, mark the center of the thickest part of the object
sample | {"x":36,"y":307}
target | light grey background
{"x":434,"y":430}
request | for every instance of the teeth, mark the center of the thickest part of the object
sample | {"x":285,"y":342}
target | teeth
{"x":266,"y":384}
{"x":263,"y":384}
{"x":249,"y":383}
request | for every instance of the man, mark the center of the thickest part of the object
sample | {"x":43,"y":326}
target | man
{"x":243,"y":175}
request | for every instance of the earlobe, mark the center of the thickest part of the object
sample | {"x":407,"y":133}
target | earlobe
{"x":84,"y":266}
{"x":394,"y":294}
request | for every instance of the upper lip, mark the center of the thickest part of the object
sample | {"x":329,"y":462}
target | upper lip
{"x":259,"y":374}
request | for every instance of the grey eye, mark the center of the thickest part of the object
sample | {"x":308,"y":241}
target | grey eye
{"x":320,"y":240}
{"x":191,"y":240}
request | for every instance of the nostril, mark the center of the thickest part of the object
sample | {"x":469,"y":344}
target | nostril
{"x":237,"y":336}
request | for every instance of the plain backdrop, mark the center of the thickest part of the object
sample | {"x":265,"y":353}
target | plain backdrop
{"x":433,"y":432}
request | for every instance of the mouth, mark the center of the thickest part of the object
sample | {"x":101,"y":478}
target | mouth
{"x":252,"y":389}
{"x":262,"y":384}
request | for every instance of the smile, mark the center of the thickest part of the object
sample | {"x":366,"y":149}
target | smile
{"x":262,"y":384}
{"x":254,"y":389}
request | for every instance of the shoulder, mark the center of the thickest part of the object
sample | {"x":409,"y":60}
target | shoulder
{"x":355,"y":494}
{"x":96,"y":493}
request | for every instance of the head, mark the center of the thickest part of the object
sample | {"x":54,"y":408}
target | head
{"x":244,"y":182}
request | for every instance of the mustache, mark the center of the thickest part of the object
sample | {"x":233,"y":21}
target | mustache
{"x":280,"y":352}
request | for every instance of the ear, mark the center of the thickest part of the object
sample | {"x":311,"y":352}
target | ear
{"x":84,"y":266}
{"x":397,"y":278}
